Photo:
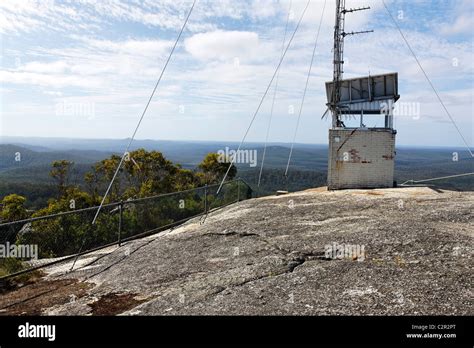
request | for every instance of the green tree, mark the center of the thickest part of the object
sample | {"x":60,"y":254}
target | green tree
{"x":14,"y":208}
{"x":143,"y":173}
{"x":92,"y":183}
{"x":213,"y":169}
{"x":149,"y":173}
{"x":185,"y":179}
{"x":60,"y":172}
{"x":99,"y":178}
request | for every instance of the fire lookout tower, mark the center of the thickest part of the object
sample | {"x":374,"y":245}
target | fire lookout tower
{"x":360,"y":156}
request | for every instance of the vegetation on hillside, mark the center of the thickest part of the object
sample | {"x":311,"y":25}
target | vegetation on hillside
{"x":31,"y":178}
{"x":143,"y":174}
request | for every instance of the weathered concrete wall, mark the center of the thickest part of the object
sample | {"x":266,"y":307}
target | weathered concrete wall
{"x":361,"y":158}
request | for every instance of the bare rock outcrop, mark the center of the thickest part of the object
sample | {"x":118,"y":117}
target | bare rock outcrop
{"x":377,"y":252}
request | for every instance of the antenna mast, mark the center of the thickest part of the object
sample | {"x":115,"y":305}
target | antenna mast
{"x":338,"y":61}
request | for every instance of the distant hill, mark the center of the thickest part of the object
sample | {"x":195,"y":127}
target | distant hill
{"x":187,"y":153}
{"x":18,"y":157}
{"x":308,"y":166}
{"x":38,"y":153}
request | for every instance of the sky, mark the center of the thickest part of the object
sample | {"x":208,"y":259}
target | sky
{"x":86,"y":68}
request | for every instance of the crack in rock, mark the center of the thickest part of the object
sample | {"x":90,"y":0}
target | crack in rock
{"x":231,"y":233}
{"x":301,"y":259}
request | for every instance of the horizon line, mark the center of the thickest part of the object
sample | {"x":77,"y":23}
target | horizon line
{"x":207,"y":141}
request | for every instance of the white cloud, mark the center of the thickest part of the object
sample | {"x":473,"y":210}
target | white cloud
{"x":261,"y":9}
{"x":222,"y":45}
{"x":48,"y":80}
{"x":53,"y":93}
{"x":147,"y":48}
{"x":464,"y":24}
{"x":32,"y":15}
{"x":46,"y":68}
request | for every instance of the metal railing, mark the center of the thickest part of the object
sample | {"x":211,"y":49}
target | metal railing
{"x":40,"y":241}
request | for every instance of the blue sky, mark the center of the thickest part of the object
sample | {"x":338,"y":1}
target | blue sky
{"x":86,"y":68}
